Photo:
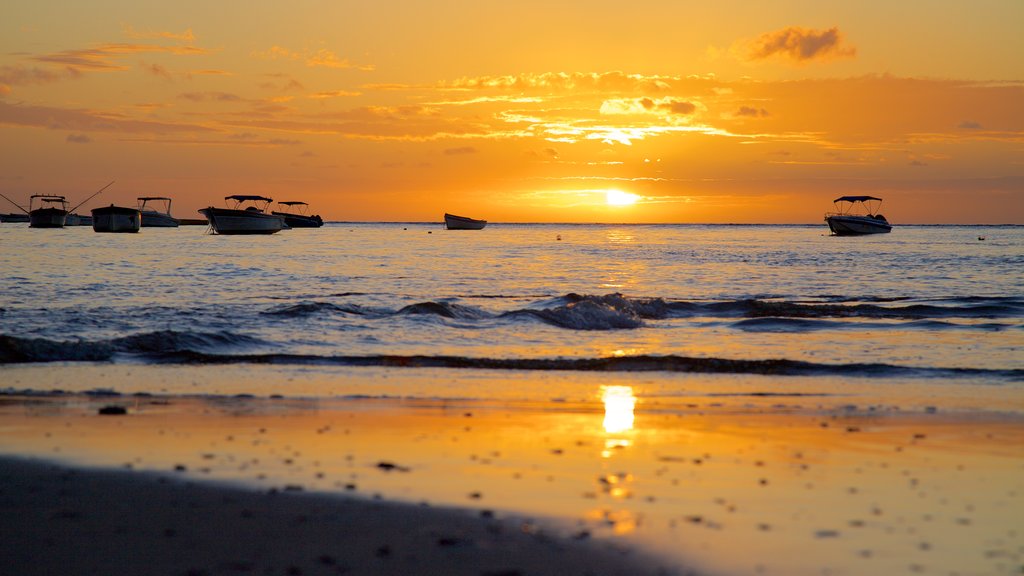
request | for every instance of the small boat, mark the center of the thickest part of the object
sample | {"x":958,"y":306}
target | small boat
{"x":12,"y":218}
{"x":77,"y":220}
{"x":845,"y":222}
{"x":152,"y":217}
{"x":248,"y":215}
{"x":295,"y":215}
{"x":116,"y":219}
{"x":51,"y":213}
{"x":453,"y":222}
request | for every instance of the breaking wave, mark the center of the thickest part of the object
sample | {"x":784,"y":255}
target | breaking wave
{"x":14,"y":349}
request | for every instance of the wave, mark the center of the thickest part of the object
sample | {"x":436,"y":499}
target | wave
{"x":642,"y":363}
{"x":16,"y":350}
{"x":616,"y":311}
{"x":169,"y":347}
{"x":797,"y":325}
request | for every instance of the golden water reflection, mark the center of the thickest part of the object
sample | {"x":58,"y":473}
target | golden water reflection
{"x":619,"y":403}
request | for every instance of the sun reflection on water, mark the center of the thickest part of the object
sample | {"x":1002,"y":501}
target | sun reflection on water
{"x":619,"y":402}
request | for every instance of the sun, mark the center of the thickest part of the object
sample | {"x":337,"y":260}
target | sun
{"x":620,"y":198}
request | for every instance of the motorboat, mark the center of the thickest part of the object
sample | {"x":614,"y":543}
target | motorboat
{"x":12,"y":218}
{"x":296,"y":215}
{"x":74,"y":219}
{"x":248,"y":215}
{"x":453,"y":222}
{"x":51,"y":211}
{"x":152,"y":217}
{"x":116,"y":219}
{"x":848,"y":221}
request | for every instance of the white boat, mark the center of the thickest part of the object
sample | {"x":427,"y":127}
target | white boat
{"x":116,"y":219}
{"x":151,"y":217}
{"x":453,"y":222}
{"x":248,"y":215}
{"x":295,"y":215}
{"x":51,"y":212}
{"x":847,"y":221}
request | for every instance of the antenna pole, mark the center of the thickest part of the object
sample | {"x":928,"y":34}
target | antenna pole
{"x":91,"y":197}
{"x":15,"y":203}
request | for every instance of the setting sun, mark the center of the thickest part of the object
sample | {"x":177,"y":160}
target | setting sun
{"x":620,"y":198}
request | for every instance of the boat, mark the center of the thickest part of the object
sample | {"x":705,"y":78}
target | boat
{"x":116,"y":219}
{"x":845,"y":221}
{"x":51,"y":212}
{"x":151,"y":217}
{"x":12,"y":218}
{"x":77,"y":220}
{"x":295,"y":215}
{"x":248,"y":215}
{"x":453,"y":222}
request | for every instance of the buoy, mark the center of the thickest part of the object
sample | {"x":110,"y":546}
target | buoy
{"x":559,"y":237}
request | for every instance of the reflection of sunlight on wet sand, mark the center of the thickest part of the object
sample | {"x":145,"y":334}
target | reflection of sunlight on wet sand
{"x":619,"y":402}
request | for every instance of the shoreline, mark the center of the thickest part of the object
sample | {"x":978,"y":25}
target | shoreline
{"x":67,"y":520}
{"x":799,"y":484}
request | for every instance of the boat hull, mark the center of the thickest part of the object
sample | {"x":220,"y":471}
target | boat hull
{"x":47,"y":218}
{"x":12,"y":218}
{"x":116,"y":219}
{"x":453,"y":222}
{"x":154,"y":219}
{"x":856,"y":225}
{"x":230,"y":221}
{"x":300,"y":221}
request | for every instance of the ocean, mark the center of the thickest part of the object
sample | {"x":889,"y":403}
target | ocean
{"x":924,"y":302}
{"x":733,"y":399}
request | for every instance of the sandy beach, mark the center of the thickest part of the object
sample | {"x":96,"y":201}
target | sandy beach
{"x":599,"y":479}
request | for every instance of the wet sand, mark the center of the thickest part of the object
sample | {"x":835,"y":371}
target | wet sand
{"x":60,"y":520}
{"x":636,"y":477}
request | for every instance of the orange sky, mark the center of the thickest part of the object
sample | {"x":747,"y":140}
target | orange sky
{"x":522,"y":111}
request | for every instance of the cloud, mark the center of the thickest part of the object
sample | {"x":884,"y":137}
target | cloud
{"x":23,"y":76}
{"x":800,"y":44}
{"x":86,"y":120}
{"x":320,"y":58}
{"x":157,"y":70}
{"x":210,"y":97}
{"x":752,"y":112}
{"x":604,"y":81}
{"x":333,"y":94}
{"x":78,"y":139}
{"x":670,"y":106}
{"x":461,"y":150}
{"x":970,"y":125}
{"x":186,"y":36}
{"x":105,"y":57}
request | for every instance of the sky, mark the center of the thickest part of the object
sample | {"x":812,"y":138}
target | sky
{"x":526,"y":111}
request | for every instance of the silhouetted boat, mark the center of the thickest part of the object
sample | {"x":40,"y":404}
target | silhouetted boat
{"x":77,"y":220}
{"x":252,"y":219}
{"x":51,"y":213}
{"x":152,"y":217}
{"x":295,"y":215}
{"x":453,"y":222}
{"x":12,"y":218}
{"x":844,"y":222}
{"x":116,"y":219}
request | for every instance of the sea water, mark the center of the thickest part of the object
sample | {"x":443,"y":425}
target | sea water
{"x":926,"y":302}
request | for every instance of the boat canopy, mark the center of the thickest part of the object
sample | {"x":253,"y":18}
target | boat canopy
{"x":148,"y":198}
{"x":48,"y":197}
{"x":293,"y":203}
{"x":856,"y":199}
{"x":242,"y":198}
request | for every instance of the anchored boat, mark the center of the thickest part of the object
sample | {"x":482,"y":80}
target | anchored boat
{"x":846,"y":221}
{"x":295,"y":215}
{"x":50,"y":212}
{"x":248,"y":215}
{"x":116,"y":219}
{"x":151,"y":217}
{"x":453,"y":222}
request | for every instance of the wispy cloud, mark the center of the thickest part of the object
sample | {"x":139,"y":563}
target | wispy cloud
{"x":648,"y":106}
{"x":800,"y":45}
{"x":107,"y":57}
{"x":321,"y":57}
{"x":80,"y":120}
{"x":460,"y":151}
{"x":187,"y":36}
{"x":78,"y":139}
